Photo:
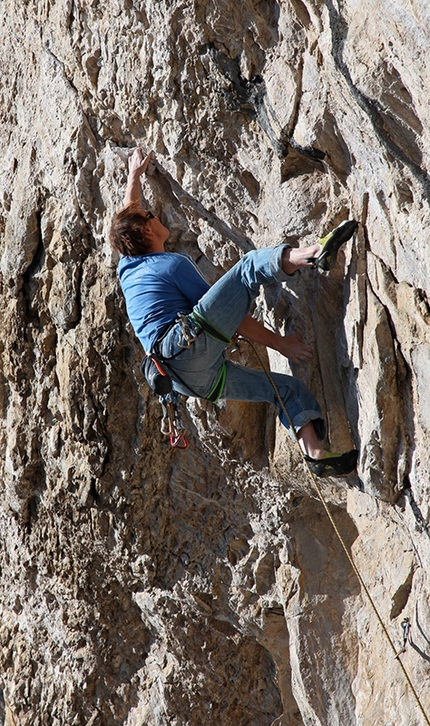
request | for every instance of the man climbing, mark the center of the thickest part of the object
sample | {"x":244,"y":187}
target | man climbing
{"x":187,"y":323}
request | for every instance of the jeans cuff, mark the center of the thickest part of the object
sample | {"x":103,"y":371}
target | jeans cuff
{"x":276,"y":263}
{"x":306,"y":417}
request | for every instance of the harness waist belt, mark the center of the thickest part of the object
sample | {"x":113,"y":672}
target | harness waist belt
{"x":166,"y":330}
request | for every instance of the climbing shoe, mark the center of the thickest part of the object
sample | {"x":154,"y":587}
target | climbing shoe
{"x":331,"y":243}
{"x":334,"y":464}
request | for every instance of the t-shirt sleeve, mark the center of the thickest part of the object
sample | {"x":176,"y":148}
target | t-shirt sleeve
{"x":189,"y":279}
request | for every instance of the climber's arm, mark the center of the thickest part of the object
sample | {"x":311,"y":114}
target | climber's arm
{"x":290,"y":346}
{"x":137,"y":165}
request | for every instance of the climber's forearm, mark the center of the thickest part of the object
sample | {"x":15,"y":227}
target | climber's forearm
{"x":291,"y":346}
{"x":257,"y":332}
{"x":132,"y":192}
{"x":137,"y":165}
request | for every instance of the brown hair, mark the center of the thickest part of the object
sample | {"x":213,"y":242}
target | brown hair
{"x":127,"y":232}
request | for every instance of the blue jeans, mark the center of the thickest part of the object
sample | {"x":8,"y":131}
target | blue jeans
{"x":225,"y":306}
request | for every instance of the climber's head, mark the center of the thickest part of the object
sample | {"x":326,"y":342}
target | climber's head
{"x":136,"y":232}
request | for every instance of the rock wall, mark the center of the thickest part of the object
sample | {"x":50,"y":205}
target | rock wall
{"x":148,"y":586}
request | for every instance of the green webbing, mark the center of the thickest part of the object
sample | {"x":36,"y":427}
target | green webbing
{"x":208,"y":328}
{"x":215,"y":393}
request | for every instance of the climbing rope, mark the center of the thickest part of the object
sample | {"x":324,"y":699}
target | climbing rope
{"x":340,"y":538}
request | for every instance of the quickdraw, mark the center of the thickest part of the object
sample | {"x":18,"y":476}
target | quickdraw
{"x":406,"y":626}
{"x":161,"y":383}
{"x":171,"y":423}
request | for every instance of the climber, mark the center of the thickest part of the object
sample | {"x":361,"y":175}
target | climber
{"x":187,"y":323}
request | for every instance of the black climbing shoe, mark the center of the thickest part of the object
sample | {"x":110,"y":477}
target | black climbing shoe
{"x":331,"y":243}
{"x":334,"y":464}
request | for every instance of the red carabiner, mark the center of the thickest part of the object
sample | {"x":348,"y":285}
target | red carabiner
{"x":178,"y":441}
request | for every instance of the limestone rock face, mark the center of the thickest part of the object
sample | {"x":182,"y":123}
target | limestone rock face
{"x":143,"y":585}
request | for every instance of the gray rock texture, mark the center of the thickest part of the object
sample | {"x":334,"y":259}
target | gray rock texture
{"x":146,"y":586}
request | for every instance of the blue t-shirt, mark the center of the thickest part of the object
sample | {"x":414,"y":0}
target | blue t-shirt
{"x":157,"y":287}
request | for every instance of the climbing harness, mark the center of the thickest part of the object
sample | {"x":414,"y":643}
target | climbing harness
{"x":191,"y":326}
{"x":155,"y":369}
{"x":405,"y":622}
{"x":208,"y":328}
